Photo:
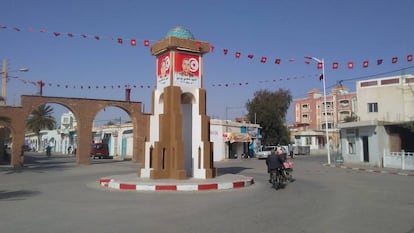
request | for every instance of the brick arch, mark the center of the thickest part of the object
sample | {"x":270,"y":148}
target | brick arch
{"x":5,"y":129}
{"x":85,"y":111}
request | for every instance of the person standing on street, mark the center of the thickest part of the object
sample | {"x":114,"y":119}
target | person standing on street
{"x":290,"y":147}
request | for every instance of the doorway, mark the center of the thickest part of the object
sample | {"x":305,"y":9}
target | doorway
{"x":365,"y":148}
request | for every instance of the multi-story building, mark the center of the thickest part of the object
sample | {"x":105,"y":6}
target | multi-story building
{"x":384,"y":125}
{"x":310,"y":121}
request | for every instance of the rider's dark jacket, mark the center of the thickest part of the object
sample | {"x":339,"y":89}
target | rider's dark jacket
{"x":274,"y":161}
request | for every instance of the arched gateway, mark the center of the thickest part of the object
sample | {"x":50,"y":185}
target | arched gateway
{"x":85,"y":111}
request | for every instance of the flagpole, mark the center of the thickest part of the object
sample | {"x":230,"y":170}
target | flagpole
{"x":325,"y":107}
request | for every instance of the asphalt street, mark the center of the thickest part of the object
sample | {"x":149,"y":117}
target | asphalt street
{"x":56,"y":195}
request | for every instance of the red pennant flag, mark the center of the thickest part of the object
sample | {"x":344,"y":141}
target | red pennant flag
{"x":263,"y":59}
{"x":43,"y":30}
{"x":70,"y":34}
{"x":84,"y":35}
{"x":97,"y":37}
{"x":225,"y":51}
{"x":335,"y":65}
{"x":410,"y":58}
{"x":277,"y":61}
{"x":238,"y":55}
{"x":394,"y":59}
{"x":29,"y":29}
{"x":365,"y":64}
{"x":350,"y":65}
{"x":320,"y":77}
{"x":379,"y":61}
{"x":56,"y":33}
{"x":120,"y":41}
{"x":292,"y":60}
{"x":3,"y":26}
{"x":17,"y":29}
{"x":211,"y":48}
{"x":319,"y":65}
{"x":307,"y":62}
{"x":250,"y":56}
{"x":133,"y":42}
{"x":146,"y":43}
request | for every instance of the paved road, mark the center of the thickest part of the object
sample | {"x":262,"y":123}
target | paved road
{"x":56,"y":195}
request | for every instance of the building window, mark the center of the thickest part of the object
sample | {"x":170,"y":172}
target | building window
{"x":330,"y":125}
{"x":328,"y":104}
{"x":351,"y":145}
{"x":372,"y":107}
{"x":344,"y":103}
{"x":305,"y":116}
{"x":305,"y":106}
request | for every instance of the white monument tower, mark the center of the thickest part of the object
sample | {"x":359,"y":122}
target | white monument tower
{"x":178,"y":138}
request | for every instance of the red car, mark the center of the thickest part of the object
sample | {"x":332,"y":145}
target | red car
{"x":100,"y":150}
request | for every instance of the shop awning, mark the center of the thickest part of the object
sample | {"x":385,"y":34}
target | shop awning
{"x":237,"y":137}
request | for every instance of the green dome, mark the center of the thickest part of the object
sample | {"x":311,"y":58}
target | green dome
{"x":180,"y":32}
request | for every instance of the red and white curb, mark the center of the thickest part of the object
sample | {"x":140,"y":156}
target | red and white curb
{"x":371,"y":170}
{"x":113,"y":184}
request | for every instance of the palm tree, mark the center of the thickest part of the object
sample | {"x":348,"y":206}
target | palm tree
{"x":40,"y":119}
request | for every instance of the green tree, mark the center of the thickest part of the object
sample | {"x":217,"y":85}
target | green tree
{"x":269,"y":109}
{"x":41,"y":119}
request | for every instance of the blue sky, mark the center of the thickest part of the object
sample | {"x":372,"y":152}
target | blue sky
{"x":338,"y":31}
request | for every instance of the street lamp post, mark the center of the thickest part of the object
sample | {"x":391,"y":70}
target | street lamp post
{"x":4,"y":75}
{"x":321,"y":61}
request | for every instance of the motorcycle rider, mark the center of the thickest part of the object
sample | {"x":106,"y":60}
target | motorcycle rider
{"x":274,"y":162}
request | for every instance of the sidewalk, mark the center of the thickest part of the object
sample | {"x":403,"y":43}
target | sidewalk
{"x":371,"y":168}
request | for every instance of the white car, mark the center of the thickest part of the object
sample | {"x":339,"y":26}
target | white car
{"x":265,"y":152}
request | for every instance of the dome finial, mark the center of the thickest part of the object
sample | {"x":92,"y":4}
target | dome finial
{"x":180,"y":32}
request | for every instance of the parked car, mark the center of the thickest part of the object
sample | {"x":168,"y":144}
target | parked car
{"x":100,"y":150}
{"x":266,"y":150}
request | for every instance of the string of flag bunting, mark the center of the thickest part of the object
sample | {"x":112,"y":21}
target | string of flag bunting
{"x":335,"y":65}
{"x":141,"y":86}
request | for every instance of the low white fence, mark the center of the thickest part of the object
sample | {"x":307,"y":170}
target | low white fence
{"x":400,"y":160}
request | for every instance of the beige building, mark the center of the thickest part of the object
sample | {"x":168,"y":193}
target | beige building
{"x":388,"y":99}
{"x":382,"y":135}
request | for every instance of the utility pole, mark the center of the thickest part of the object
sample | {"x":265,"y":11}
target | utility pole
{"x":4,"y":75}
{"x":3,"y":82}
